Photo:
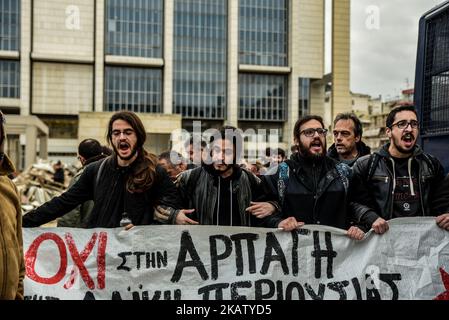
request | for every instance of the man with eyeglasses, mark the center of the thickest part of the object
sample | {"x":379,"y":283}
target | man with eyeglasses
{"x":400,"y":180}
{"x":348,"y":145}
{"x":312,"y":188}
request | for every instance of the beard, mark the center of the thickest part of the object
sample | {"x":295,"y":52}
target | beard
{"x":307,"y":154}
{"x":223,"y":168}
{"x":132,"y":154}
{"x":396,"y":143}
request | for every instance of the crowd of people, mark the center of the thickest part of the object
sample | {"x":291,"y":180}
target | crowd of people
{"x":316,"y":185}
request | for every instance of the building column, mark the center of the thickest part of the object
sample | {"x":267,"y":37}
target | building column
{"x":169,"y":8}
{"x":31,"y":141}
{"x":43,"y":147}
{"x":233,"y":64}
{"x":25,"y":63}
{"x":305,"y":54}
{"x":100,"y":36}
{"x":341,"y":35}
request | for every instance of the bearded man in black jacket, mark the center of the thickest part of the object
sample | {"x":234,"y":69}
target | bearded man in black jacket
{"x":311,"y":187}
{"x":125,"y":186}
{"x":220,"y":192}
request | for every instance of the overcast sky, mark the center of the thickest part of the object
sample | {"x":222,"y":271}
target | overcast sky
{"x":383,"y":52}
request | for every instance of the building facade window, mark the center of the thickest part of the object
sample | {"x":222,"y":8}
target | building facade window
{"x":133,"y":89}
{"x":263,"y":32}
{"x":134,"y":28}
{"x":200,"y":58}
{"x":9,"y":25}
{"x":9,"y":79}
{"x":262,"y":97}
{"x":304,"y":97}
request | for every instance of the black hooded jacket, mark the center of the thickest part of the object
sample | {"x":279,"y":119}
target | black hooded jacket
{"x":317,"y":192}
{"x":374,"y":180}
{"x":111,"y":199}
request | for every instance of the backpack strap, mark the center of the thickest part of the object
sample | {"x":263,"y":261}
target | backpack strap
{"x":345,"y":173}
{"x":284,"y":173}
{"x":98,"y":176}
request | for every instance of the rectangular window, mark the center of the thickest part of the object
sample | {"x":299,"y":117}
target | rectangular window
{"x":304,"y":97}
{"x":262,"y":97}
{"x":200,"y":56}
{"x":10,"y":25}
{"x":9,"y":79}
{"x":134,"y":28}
{"x":62,"y":88}
{"x":263,"y":32}
{"x":133,"y":89}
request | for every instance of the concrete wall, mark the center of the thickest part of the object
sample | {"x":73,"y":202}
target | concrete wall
{"x":360,"y":103}
{"x":306,"y":55}
{"x":63,"y":28}
{"x":341,"y":35}
{"x":62,"y":88}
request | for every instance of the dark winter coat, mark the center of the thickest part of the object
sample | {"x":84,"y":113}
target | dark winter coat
{"x":111,"y":199}
{"x":315,"y":192}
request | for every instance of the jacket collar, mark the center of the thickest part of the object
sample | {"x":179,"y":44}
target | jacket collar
{"x":237,"y":171}
{"x":383,"y":152}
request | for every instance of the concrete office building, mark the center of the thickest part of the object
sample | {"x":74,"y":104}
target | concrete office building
{"x":252,"y":64}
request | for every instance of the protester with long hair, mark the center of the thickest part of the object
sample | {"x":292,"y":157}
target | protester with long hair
{"x":125,"y":186}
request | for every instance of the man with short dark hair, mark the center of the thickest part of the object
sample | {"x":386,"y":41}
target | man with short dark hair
{"x":400,"y":180}
{"x":312,"y":188}
{"x":348,"y":145}
{"x":89,"y":151}
{"x":278,"y":155}
{"x":125,"y":187}
{"x":58,"y":176}
{"x":12,"y":266}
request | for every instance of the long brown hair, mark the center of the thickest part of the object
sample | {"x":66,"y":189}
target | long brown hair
{"x":143,"y":174}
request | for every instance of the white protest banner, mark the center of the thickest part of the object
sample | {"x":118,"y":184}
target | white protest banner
{"x":410,"y":261}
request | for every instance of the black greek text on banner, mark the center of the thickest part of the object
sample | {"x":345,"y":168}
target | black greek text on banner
{"x":410,"y":261}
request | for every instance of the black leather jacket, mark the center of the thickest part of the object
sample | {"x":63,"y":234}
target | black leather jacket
{"x":373,"y":180}
{"x":198,"y":189}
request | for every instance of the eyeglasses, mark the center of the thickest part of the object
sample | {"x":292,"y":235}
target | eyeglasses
{"x":311,"y":132}
{"x":403,"y":124}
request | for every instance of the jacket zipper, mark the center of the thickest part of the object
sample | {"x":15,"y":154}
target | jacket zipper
{"x":420,"y":189}
{"x":391,"y":192}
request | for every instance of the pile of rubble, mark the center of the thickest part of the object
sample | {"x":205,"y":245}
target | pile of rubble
{"x":36,"y":185}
